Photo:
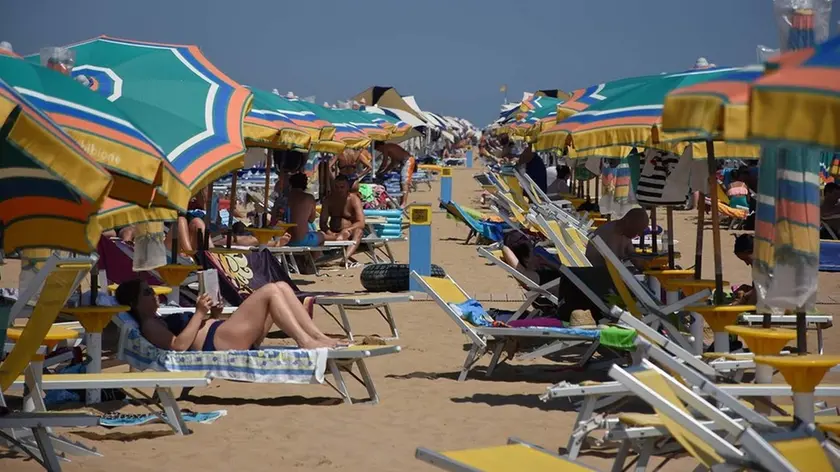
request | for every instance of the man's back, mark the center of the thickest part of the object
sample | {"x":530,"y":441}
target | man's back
{"x":621,"y":245}
{"x":301,"y":212}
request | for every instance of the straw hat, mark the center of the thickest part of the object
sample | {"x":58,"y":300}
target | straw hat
{"x":582,"y":318}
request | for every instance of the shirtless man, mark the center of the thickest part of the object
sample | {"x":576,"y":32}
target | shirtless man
{"x":395,"y":157}
{"x":301,"y":212}
{"x":348,"y":163}
{"x":618,"y":235}
{"x":342,"y":216}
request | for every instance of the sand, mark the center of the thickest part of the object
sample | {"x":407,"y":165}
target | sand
{"x":290,"y":427}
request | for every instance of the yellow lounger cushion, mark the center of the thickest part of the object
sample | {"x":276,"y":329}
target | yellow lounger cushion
{"x":511,"y":458}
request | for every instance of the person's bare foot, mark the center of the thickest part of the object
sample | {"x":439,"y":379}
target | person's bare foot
{"x":283,"y":240}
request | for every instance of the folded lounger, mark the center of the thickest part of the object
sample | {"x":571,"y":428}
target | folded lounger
{"x":269,"y":365}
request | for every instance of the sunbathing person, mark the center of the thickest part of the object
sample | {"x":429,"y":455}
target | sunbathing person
{"x":618,"y":235}
{"x":301,"y":212}
{"x":273,"y":304}
{"x":342,"y":216}
{"x":394,"y":157}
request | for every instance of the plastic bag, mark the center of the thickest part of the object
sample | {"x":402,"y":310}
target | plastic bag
{"x":802,"y":23}
{"x":149,"y":249}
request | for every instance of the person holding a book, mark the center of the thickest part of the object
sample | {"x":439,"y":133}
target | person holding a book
{"x":273,"y":304}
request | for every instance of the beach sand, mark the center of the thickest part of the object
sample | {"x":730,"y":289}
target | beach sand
{"x":291,"y":427}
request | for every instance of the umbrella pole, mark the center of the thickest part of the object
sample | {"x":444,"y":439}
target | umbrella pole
{"x":710,"y":151}
{"x":698,"y":247}
{"x":669,"y":216}
{"x":653,"y":239}
{"x":266,"y":190}
{"x":232,"y":207}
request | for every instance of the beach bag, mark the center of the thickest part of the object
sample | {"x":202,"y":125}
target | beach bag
{"x":664,"y":178}
{"x":149,"y":249}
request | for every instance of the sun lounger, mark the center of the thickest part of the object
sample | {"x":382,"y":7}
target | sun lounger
{"x":744,"y":445}
{"x":533,"y":290}
{"x":269,"y":365}
{"x":483,"y":230}
{"x":516,"y":455}
{"x":446,"y":293}
{"x":41,"y":443}
{"x":380,"y":302}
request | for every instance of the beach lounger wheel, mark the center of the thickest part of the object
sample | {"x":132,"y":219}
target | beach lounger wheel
{"x":391,"y":277}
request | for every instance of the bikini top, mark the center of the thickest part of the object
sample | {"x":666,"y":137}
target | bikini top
{"x":177,"y":322}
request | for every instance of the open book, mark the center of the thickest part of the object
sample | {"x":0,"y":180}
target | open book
{"x":208,"y":282}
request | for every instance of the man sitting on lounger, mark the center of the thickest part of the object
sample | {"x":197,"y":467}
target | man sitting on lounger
{"x":342,"y":216}
{"x":618,"y":235}
{"x":301,"y":212}
{"x":273,"y":304}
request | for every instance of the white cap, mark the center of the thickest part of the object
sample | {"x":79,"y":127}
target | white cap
{"x":7,"y":46}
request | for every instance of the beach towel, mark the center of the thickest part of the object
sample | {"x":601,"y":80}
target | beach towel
{"x":787,"y":228}
{"x":472,"y":312}
{"x":664,"y":179}
{"x":116,"y":419}
{"x":269,"y":365}
{"x":490,"y":230}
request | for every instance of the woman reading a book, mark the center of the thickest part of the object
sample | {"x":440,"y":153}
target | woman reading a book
{"x":272,"y":305}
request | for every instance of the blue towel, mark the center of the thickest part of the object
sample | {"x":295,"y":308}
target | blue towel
{"x":114,"y":420}
{"x":491,"y":230}
{"x":472,"y":312}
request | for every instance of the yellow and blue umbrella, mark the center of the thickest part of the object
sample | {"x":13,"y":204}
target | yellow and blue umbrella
{"x":269,"y":124}
{"x":50,"y":186}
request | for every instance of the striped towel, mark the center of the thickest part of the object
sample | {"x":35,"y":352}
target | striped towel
{"x":787,"y":229}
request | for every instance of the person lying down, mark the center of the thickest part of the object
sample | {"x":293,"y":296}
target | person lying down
{"x":273,"y":304}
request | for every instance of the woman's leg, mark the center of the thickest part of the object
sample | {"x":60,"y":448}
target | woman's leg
{"x":301,"y":315}
{"x":250,"y":323}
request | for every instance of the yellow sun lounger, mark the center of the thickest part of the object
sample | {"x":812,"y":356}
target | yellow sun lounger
{"x":515,"y":456}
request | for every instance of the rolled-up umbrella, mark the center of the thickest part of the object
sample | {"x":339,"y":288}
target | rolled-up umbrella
{"x":51,"y":187}
{"x":101,"y":129}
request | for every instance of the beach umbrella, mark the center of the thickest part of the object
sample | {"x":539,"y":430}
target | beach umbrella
{"x":271,"y":123}
{"x":375,"y":129}
{"x":50,"y":187}
{"x":310,"y":116}
{"x":345,"y":133}
{"x":793,"y":114}
{"x":553,"y":137}
{"x":386,"y":97}
{"x":107,"y":135}
{"x":176,"y":97}
{"x":553,"y":93}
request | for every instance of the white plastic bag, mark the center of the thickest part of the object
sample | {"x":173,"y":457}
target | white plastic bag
{"x":149,"y":249}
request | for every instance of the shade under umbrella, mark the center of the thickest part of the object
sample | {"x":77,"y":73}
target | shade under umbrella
{"x":50,"y":187}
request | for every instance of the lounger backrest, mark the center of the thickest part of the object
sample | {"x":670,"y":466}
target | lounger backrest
{"x":578,"y":257}
{"x":695,"y":446}
{"x":58,"y":286}
{"x":444,"y":291}
{"x":804,"y":453}
{"x":629,"y":280}
{"x":516,"y":191}
{"x":496,"y":257}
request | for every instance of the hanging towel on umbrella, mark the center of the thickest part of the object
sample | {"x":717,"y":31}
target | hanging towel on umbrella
{"x":786,"y":257}
{"x":664,"y":179}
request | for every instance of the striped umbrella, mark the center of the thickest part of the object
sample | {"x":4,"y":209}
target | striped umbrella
{"x":366,"y":122}
{"x":345,"y":133}
{"x":51,"y":186}
{"x":267,"y":124}
{"x":177,"y":97}
{"x":612,"y":127}
{"x":555,"y":138}
{"x":135,"y":162}
{"x":790,"y":115}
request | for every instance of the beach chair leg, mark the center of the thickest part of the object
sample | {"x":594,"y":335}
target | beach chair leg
{"x":819,"y":339}
{"x":314,"y":265}
{"x":388,"y":251}
{"x":172,"y":411}
{"x":584,"y":359}
{"x":367,"y":381}
{"x":549,"y":349}
{"x":472,"y":357}
{"x":469,"y":236}
{"x":580,"y":431}
{"x":497,"y":352}
{"x":345,"y":322}
{"x":644,"y":454}
{"x":529,"y":300}
{"x":45,"y":447}
{"x":389,"y":317}
{"x":339,"y":386}
{"x":621,"y":456}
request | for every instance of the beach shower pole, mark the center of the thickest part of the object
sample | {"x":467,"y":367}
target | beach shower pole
{"x":419,"y":243}
{"x":446,"y":184}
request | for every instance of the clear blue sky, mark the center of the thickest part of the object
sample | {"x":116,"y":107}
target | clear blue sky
{"x":453,"y":55}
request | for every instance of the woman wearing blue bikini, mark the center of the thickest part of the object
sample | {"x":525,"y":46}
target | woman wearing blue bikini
{"x":273,"y":304}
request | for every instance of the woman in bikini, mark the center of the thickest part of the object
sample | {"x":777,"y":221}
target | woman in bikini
{"x":273,"y":304}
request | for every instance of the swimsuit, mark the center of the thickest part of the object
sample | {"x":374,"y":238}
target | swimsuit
{"x":177,"y":322}
{"x":311,"y":238}
{"x":408,"y":169}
